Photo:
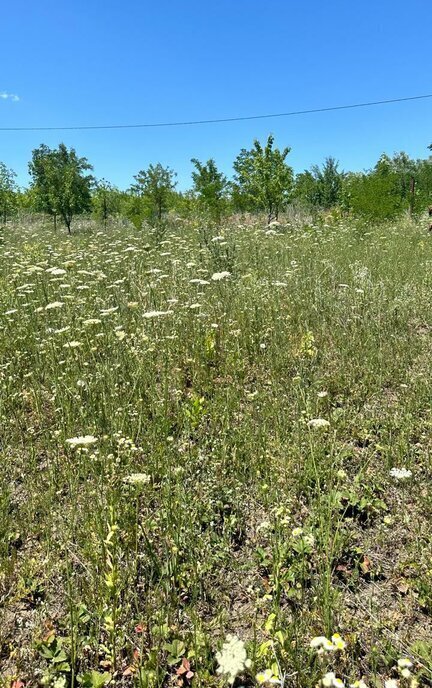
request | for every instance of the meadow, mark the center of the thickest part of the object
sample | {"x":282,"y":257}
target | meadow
{"x":215,"y":452}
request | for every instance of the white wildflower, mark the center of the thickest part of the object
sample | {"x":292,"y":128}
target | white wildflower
{"x":321,"y":644}
{"x":156,"y":314}
{"x":92,"y":321}
{"x":338,"y":642}
{"x":218,"y":276}
{"x":137,"y":479}
{"x":200,"y":282}
{"x":404,"y":666}
{"x":232,"y":659}
{"x":400,"y":473}
{"x":108,"y":311}
{"x":56,"y":271}
{"x":318,"y":424}
{"x":54,"y":304}
{"x":267,"y":677}
{"x":82,"y":441}
{"x":330,"y":680}
{"x":391,"y":683}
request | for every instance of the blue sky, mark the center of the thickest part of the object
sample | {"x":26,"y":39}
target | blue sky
{"x":88,"y":62}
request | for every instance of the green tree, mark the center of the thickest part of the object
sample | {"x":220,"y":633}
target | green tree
{"x":8,"y":191}
{"x":155,"y":186}
{"x":210,"y":185}
{"x":306,"y":189}
{"x":375,"y":196}
{"x":423,"y":197}
{"x":41,"y":169}
{"x":60,"y":184}
{"x":328,"y":183}
{"x":131,"y":207}
{"x":105,"y":201}
{"x":263,"y":178}
{"x":320,"y":187}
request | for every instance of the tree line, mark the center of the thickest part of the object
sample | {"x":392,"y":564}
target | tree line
{"x":62,"y":186}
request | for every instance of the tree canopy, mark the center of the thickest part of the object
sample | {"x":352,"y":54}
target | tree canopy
{"x":59,"y":181}
{"x":263,"y":178}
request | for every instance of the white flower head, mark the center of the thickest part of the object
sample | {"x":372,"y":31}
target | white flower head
{"x":400,"y":473}
{"x":200,"y":282}
{"x":321,"y":644}
{"x":137,"y":479}
{"x":338,"y":642}
{"x":155,"y":314}
{"x":54,"y":304}
{"x":232,"y":659}
{"x":82,"y":441}
{"x":330,"y":680}
{"x":267,"y":677}
{"x":56,"y":271}
{"x":296,"y":532}
{"x":391,"y":683}
{"x":318,"y":424}
{"x":404,"y":663}
{"x":218,"y":276}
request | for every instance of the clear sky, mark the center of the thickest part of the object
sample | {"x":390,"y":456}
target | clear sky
{"x":81,"y":62}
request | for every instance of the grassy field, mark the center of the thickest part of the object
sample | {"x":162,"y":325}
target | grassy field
{"x":198,"y":435}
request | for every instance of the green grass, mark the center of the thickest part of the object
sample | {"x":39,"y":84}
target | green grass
{"x":139,"y":579}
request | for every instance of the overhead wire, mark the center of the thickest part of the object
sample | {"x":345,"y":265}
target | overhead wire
{"x":219,"y":120}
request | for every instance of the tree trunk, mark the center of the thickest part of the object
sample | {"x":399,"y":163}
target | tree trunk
{"x":67,"y":220}
{"x":270,"y":213}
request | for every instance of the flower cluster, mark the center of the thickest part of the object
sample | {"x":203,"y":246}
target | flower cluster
{"x":400,"y":473}
{"x":268,"y":677}
{"x":137,"y":479}
{"x":82,"y":441}
{"x":318,"y":424}
{"x":322,"y":644}
{"x":232,"y":659}
{"x":330,"y":680}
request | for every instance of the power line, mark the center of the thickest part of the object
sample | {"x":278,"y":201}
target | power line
{"x":219,"y":120}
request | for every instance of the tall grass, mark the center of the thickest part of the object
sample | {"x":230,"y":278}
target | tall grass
{"x":202,"y":501}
